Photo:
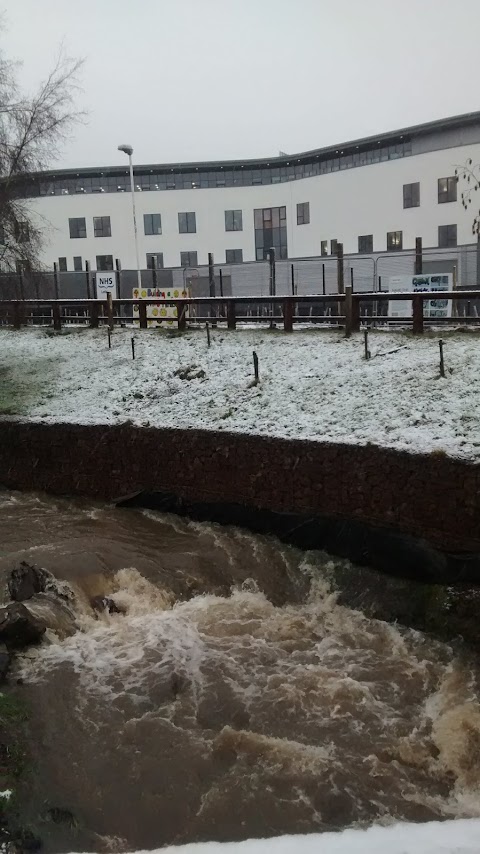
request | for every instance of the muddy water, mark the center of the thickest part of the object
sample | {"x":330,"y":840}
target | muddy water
{"x":234,"y":698}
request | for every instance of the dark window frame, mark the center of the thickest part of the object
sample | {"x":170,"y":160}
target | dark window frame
{"x":447,"y":236}
{"x":157,"y":255}
{"x":149,"y":229}
{"x":77,"y":268}
{"x":62,"y":264}
{"x":303,"y":213}
{"x":102,"y":226}
{"x":234,"y":220}
{"x":74,"y":225}
{"x":394,"y":244}
{"x":104,"y":267}
{"x":365,"y":244}
{"x":235,"y":258}
{"x":189,"y":224}
{"x":183,"y":261}
{"x":323,"y":248}
{"x":411,"y":195}
{"x":448,"y":192}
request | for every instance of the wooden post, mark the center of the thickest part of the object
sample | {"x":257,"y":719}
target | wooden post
{"x":292,"y":269}
{"x":133,"y":347}
{"x":418,"y":256}
{"x":182,"y":316}
{"x":118,"y":277}
{"x":16,"y":315}
{"x":288,"y":314}
{"x":110,"y":311}
{"x":109,"y":333}
{"x":417,"y":312}
{"x":255,"y":368}
{"x":55,"y":280}
{"x":57,"y":320}
{"x":348,"y":311}
{"x":142,"y":312}
{"x":94,"y":315}
{"x":340,"y":279}
{"x":323,"y":279}
{"x":442,"y":363}
{"x":367,"y":351}
{"x":87,"y":278}
{"x":231,"y":316}
{"x":207,"y":327}
{"x":355,"y":314}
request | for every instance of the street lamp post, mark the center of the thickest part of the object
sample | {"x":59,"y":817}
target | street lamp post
{"x":127,"y":149}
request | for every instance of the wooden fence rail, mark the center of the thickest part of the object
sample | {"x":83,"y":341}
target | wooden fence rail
{"x":345,"y":310}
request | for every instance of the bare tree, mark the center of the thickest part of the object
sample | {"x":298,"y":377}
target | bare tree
{"x":469,"y":174}
{"x":32,"y":130}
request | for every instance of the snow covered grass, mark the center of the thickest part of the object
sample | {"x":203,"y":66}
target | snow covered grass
{"x":314,"y":384}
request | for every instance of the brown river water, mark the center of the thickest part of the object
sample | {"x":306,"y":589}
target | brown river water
{"x":234,"y":698}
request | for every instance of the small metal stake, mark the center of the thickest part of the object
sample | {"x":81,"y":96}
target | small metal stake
{"x":208,"y":333}
{"x":109,"y":338}
{"x":133,"y":347}
{"x":255,"y":368}
{"x":442,"y":363}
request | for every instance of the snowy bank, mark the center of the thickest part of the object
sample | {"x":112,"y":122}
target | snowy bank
{"x":449,"y":837}
{"x":313,"y":384}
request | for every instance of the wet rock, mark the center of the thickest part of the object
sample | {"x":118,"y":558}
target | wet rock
{"x":18,"y":627}
{"x":190,"y":372}
{"x":106,"y":603}
{"x":25,"y":581}
{"x":4,"y":661}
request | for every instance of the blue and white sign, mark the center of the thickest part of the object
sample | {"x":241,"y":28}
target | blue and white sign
{"x":106,"y":284}
{"x":432,"y":308}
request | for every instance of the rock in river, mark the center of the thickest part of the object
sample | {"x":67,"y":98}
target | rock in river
{"x":18,"y":627}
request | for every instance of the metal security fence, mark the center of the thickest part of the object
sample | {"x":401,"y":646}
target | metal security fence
{"x":324,"y":275}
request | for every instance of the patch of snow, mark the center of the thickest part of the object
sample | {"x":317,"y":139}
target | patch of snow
{"x":449,"y":837}
{"x":6,"y":794}
{"x":314,"y":384}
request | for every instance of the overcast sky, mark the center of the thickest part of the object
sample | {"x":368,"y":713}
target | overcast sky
{"x":203,"y":79}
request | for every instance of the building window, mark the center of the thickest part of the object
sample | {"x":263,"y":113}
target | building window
{"x":411,"y":195}
{"x":152,"y":223}
{"x":188,"y":259}
{"x":303,"y":213}
{"x":447,"y":190}
{"x":394,"y":241}
{"x":187,"y":223}
{"x":333,"y":247}
{"x":365,"y":244}
{"x":77,"y":226}
{"x":154,"y":258}
{"x":233,"y":221}
{"x":77,"y":263}
{"x":324,"y":247}
{"x":104,"y":263}
{"x":62,"y":265}
{"x":233,"y":256}
{"x":447,"y":236}
{"x":22,"y":232}
{"x":102,"y":228}
{"x":270,"y":232}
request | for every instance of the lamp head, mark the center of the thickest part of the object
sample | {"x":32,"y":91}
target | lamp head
{"x":127,"y":149}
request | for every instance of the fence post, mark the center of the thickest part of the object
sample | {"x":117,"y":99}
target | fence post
{"x":340,"y":279}
{"x":351,"y":277}
{"x":418,"y":256}
{"x":211,"y":286}
{"x":142,"y":313}
{"x":323,"y":279}
{"x":118,"y":277}
{"x":348,"y":311}
{"x":273,"y":279}
{"x":355,"y":314}
{"x":293,"y":279}
{"x":182,"y":315}
{"x":288,"y":304}
{"x":16,"y":315}
{"x":110,"y":311}
{"x":231,"y":316}
{"x":94,"y":314}
{"x":57,"y":320}
{"x":221,"y":281}
{"x":87,"y":278}
{"x":22,"y":289}
{"x":55,"y":280}
{"x":417,"y":312}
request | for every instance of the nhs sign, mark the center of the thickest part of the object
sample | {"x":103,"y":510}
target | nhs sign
{"x":106,"y":284}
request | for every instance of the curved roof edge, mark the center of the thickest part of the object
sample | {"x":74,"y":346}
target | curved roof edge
{"x":453,"y":122}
